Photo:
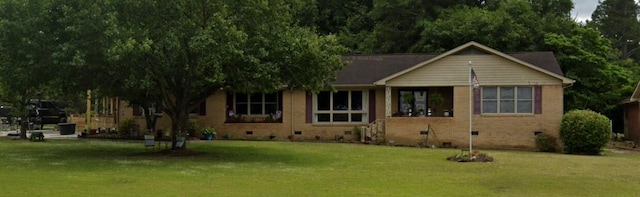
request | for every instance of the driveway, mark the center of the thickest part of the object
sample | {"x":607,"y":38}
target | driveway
{"x":48,"y":134}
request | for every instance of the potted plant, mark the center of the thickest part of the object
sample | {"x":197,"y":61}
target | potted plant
{"x":128,"y":127}
{"x":408,"y":99}
{"x":436,"y":99}
{"x":209,"y":133}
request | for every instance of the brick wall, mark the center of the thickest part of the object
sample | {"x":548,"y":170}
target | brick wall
{"x":495,"y":131}
{"x":632,"y":132}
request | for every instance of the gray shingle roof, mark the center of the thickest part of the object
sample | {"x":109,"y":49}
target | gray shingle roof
{"x":367,"y":69}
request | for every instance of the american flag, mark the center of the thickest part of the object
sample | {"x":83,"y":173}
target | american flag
{"x":474,"y":80}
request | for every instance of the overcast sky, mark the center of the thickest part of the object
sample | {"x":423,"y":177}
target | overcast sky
{"x":582,"y":9}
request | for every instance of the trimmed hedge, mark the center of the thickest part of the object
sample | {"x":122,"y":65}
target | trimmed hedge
{"x":584,"y":132}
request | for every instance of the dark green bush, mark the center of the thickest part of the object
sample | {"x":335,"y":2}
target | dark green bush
{"x":194,"y":129}
{"x":127,"y":126}
{"x":546,"y":143}
{"x":584,"y":132}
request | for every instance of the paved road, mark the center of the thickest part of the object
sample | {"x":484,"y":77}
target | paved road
{"x":48,"y":134}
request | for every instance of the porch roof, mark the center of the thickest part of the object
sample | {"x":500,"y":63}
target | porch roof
{"x":366,"y":70}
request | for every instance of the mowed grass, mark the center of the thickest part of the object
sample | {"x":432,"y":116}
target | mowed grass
{"x":251,"y":168}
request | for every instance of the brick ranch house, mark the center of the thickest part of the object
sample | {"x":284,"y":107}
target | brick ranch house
{"x":394,"y":99}
{"x":631,"y":116}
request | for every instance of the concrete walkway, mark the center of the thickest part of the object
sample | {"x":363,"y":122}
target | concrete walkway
{"x":48,"y":134}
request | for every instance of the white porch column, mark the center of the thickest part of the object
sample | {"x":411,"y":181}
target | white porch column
{"x":387,"y":101}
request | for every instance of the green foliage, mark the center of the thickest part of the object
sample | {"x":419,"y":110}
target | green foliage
{"x":588,"y":58}
{"x":243,"y":46}
{"x":357,"y":132}
{"x":193,"y":128}
{"x":546,"y":142}
{"x":436,"y":99}
{"x":617,"y":20}
{"x":584,"y":132}
{"x":208,"y":131}
{"x":513,"y":20}
{"x":126,"y":126}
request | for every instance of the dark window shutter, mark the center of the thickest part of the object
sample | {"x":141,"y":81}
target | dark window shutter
{"x":309,"y":106}
{"x":477,"y":105}
{"x":372,"y":105}
{"x":229,"y":103}
{"x":203,"y":108}
{"x":537,"y":100}
{"x":137,"y":110}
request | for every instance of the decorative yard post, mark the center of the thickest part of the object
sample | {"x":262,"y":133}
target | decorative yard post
{"x":88,"y":115}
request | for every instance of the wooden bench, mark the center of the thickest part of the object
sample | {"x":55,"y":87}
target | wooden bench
{"x":36,"y":136}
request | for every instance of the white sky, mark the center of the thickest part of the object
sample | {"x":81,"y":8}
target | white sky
{"x":582,"y":9}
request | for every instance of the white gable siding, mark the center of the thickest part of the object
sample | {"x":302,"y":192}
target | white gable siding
{"x":491,"y":70}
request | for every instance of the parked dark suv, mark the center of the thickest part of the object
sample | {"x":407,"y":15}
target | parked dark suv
{"x":46,"y":112}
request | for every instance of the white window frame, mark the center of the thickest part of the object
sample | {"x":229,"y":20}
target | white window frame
{"x":364,"y":110}
{"x":515,"y":99}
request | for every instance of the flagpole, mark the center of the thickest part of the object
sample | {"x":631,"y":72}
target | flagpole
{"x":470,"y":109}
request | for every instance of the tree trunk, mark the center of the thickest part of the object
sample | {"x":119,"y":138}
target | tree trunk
{"x":24,"y":126}
{"x":180,"y":120}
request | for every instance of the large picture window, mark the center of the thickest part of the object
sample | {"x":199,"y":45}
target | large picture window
{"x":254,"y":108}
{"x":341,"y":107}
{"x":256,"y":104}
{"x":507,"y":100}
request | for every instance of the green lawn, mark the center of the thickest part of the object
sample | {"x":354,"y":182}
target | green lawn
{"x":250,"y":168}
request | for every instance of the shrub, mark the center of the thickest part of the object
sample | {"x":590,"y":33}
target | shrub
{"x":127,"y":126}
{"x":546,"y":143}
{"x":584,"y":132}
{"x":193,"y":129}
{"x":356,"y":132}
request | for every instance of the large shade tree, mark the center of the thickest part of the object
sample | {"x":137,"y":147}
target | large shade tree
{"x":45,"y":44}
{"x":187,"y":50}
{"x":617,"y":20}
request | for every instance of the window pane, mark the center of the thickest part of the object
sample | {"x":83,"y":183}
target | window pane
{"x":489,"y":93}
{"x":506,"y":93}
{"x":324,"y":100}
{"x":489,"y":106}
{"x":272,"y":97}
{"x":324,"y":117}
{"x":241,"y":109}
{"x":356,"y":100}
{"x":270,"y":108}
{"x":525,"y":106}
{"x":341,"y":100}
{"x":356,"y":117}
{"x":256,"y":108}
{"x":256,"y":98}
{"x":524,"y":93}
{"x":241,"y":98}
{"x":506,"y":106}
{"x":406,"y":101}
{"x":340,"y":117}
